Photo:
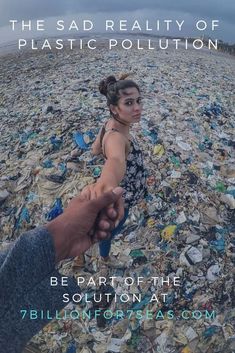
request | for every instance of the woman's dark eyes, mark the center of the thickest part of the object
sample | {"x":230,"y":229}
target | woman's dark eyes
{"x":139,"y":101}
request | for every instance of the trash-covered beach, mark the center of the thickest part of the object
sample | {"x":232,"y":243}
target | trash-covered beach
{"x":51,"y":111}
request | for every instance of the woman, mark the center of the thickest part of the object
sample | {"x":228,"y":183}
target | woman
{"x":124,"y":164}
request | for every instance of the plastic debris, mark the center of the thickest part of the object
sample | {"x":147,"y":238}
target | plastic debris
{"x":55,"y":211}
{"x":71,"y":348}
{"x":168,"y":232}
{"x":181,"y":218}
{"x":228,"y":200}
{"x":186,"y":350}
{"x":3,"y":195}
{"x":184,"y":227}
{"x":97,"y":171}
{"x":210,"y":331}
{"x":158,"y":150}
{"x":56,"y":142}
{"x":48,"y":163}
{"x":23,"y":217}
{"x":83,"y":140}
{"x":183,"y":145}
{"x":191,"y":334}
{"x":213,"y":273}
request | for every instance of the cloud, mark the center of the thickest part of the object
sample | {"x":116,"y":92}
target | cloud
{"x":206,"y":8}
{"x":30,"y":9}
{"x":44,"y":8}
{"x":98,"y":9}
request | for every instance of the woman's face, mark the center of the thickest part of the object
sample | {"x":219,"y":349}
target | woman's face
{"x":129,"y":106}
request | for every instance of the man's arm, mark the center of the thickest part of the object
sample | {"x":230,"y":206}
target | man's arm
{"x":27,"y":265}
{"x":25,"y":274}
{"x":26,"y":262}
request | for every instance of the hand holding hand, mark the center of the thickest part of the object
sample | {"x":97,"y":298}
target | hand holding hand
{"x":84,"y":222}
{"x":93,"y":191}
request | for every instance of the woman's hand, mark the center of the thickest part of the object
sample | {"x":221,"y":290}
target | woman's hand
{"x":93,"y":191}
{"x":87,"y":192}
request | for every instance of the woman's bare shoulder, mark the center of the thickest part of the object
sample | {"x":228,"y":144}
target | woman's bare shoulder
{"x":115,"y":142}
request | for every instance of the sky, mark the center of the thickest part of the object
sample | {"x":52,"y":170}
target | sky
{"x":99,"y":10}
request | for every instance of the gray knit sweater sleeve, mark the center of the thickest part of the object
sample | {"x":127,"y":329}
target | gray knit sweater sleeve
{"x":25,"y":270}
